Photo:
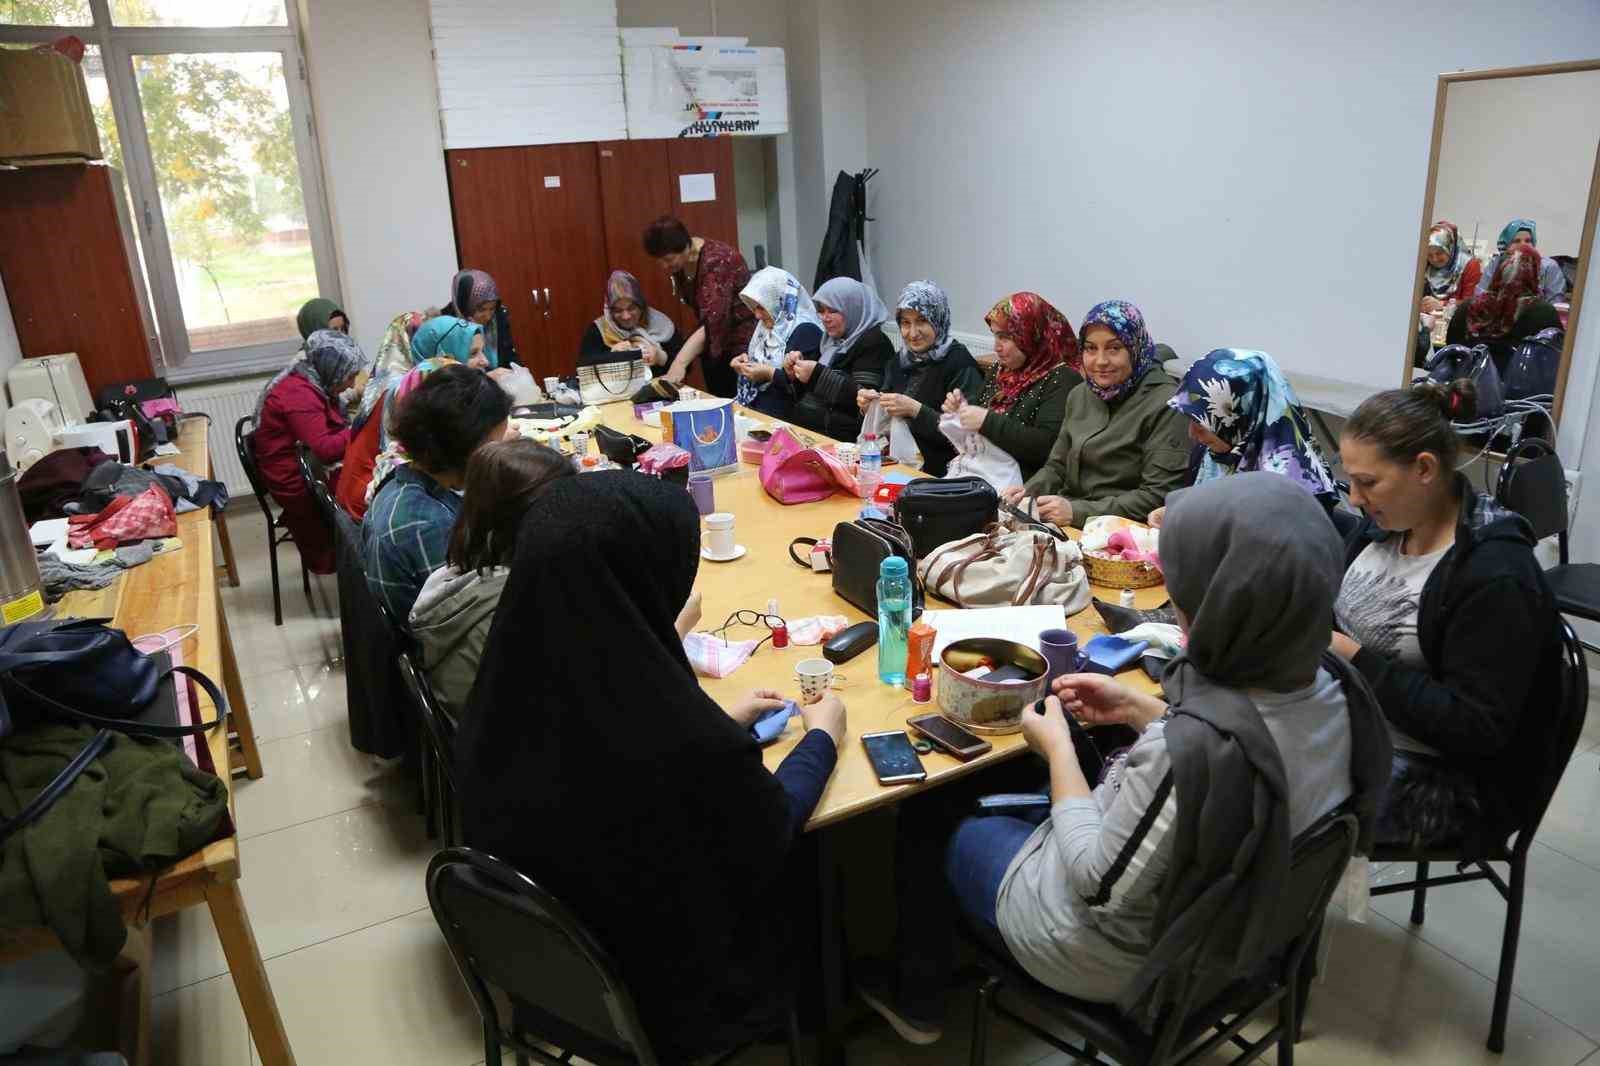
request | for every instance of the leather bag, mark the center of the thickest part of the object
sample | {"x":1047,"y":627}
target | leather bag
{"x":1001,"y":568}
{"x":936,"y":511}
{"x":794,"y":473}
{"x":859,"y":548}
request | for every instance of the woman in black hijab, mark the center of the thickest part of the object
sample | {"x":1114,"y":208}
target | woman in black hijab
{"x":590,"y":759}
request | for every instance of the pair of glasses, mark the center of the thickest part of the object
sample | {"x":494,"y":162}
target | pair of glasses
{"x":750,"y":618}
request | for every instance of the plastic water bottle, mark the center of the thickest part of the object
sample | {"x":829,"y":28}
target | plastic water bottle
{"x":869,"y":471}
{"x":894,"y":619}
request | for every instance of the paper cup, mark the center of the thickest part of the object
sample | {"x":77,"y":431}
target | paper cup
{"x":815,"y":677}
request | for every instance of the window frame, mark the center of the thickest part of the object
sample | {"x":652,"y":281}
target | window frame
{"x":118,"y":45}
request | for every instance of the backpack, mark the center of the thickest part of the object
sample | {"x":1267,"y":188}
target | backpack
{"x":1534,"y":364}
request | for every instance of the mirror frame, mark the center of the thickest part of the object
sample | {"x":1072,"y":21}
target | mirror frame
{"x":1585,"y":247}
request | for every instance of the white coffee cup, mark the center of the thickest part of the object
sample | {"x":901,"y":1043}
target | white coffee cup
{"x":550,"y":387}
{"x":718,"y":537}
{"x":815,"y":677}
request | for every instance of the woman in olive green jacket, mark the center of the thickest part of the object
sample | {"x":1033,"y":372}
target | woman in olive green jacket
{"x":1022,"y":408}
{"x":1120,"y":450}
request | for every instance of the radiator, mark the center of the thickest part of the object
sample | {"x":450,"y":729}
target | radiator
{"x":226,"y":402}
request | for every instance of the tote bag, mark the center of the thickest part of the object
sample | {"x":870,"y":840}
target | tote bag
{"x":999,"y":568}
{"x":608,"y":382}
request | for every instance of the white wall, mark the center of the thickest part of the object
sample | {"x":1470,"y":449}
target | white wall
{"x":377,"y":115}
{"x":1249,"y":173}
{"x":1520,"y":148}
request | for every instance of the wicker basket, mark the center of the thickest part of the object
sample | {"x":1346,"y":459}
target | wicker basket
{"x":1119,"y":573}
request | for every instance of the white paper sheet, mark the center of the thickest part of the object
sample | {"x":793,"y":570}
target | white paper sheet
{"x":47,"y":531}
{"x":1021,"y":624}
{"x":697,"y":188}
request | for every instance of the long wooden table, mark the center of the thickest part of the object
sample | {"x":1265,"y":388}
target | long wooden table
{"x":174,"y":589}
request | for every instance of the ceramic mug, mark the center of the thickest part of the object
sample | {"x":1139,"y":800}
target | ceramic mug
{"x":718,"y":538}
{"x":700,"y":487}
{"x":1060,"y":650}
{"x":815,"y":677}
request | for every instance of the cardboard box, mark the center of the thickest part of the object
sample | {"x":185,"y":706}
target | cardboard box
{"x":45,"y":116}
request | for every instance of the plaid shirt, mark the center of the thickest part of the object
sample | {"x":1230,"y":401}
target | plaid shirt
{"x":406,"y":530}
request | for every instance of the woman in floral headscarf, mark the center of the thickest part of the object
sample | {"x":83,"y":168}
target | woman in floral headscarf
{"x":918,"y":380}
{"x":1121,"y":448}
{"x":475,"y":297}
{"x":1243,"y":415}
{"x":786,"y":321}
{"x":1451,"y":272}
{"x":1021,"y":410}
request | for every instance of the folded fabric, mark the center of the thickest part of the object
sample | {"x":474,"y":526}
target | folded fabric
{"x":816,"y":629}
{"x":661,"y":458}
{"x":1165,"y":641}
{"x":59,"y":578}
{"x":149,"y":514}
{"x":49,"y":485}
{"x":711,"y":657}
{"x":1125,"y":545}
{"x":109,"y":480}
{"x":1099,"y":531}
{"x":190,"y":491}
{"x":770,"y":726}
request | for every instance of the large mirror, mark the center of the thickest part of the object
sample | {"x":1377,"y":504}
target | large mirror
{"x":1507,"y":226}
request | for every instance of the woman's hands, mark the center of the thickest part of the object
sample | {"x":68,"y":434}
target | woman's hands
{"x":864,"y":397}
{"x":801,"y":369}
{"x":1056,"y":510}
{"x":1047,"y":733}
{"x":689,"y":617}
{"x":751,"y":370}
{"x":1014,"y":495}
{"x":827,"y":714}
{"x":1430,"y":304}
{"x":899,"y":405}
{"x":1344,"y":647}
{"x":753,"y":706}
{"x":971,"y":415}
{"x":1157,"y":516}
{"x":1095,"y":699}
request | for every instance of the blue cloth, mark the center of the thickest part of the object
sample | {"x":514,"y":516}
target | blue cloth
{"x":976,"y":860}
{"x":406,"y":532}
{"x":770,"y":726}
{"x":803,"y":775}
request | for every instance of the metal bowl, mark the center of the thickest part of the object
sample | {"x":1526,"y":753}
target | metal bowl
{"x":988,"y":706}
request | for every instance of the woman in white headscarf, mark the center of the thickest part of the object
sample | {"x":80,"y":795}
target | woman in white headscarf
{"x":786,"y":322}
{"x":852,"y":356}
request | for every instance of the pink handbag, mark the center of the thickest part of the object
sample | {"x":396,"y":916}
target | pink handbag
{"x":793,"y":473}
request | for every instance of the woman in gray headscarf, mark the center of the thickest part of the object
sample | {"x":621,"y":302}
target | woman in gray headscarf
{"x":853,"y":353}
{"x":300,"y":405}
{"x":1263,"y":736}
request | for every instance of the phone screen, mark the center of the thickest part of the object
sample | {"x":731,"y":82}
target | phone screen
{"x":893,"y":758}
{"x":948,"y":735}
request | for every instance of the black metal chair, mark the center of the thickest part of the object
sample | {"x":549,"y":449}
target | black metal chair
{"x":1534,"y":484}
{"x":244,"y":442}
{"x":511,"y":936}
{"x":437,"y":752}
{"x":1185,"y":1031}
{"x":315,"y":476}
{"x":1561,"y":738}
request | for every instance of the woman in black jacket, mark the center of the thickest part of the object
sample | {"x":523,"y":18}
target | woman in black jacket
{"x":1446,"y":612}
{"x":852,"y":356}
{"x":918,"y":380}
{"x":628,"y":323}
{"x":1022,"y":409}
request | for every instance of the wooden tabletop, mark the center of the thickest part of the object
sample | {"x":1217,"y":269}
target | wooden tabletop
{"x":765,"y":528}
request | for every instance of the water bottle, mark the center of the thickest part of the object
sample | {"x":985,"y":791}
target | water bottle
{"x":894,"y":619}
{"x":869,"y":470}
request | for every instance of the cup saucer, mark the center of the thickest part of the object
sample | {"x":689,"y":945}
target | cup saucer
{"x":737,"y":553}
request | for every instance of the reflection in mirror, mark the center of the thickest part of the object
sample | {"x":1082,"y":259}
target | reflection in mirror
{"x":1509,"y":203}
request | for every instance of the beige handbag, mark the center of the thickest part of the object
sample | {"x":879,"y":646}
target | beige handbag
{"x":1001,"y":568}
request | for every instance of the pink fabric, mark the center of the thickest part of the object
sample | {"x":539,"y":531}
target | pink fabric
{"x":792,"y":473}
{"x":125,"y":519}
{"x":1121,"y":545}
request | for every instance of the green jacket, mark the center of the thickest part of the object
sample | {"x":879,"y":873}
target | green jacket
{"x":1119,"y":459}
{"x":451,"y":625}
{"x":1029,"y":430}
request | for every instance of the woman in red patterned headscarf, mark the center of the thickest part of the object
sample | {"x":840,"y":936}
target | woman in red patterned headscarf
{"x":1514,"y":285}
{"x":1022,"y":407}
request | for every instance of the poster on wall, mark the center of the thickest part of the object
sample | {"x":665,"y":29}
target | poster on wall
{"x":690,"y":89}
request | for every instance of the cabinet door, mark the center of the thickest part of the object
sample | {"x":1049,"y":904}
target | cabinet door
{"x":494,"y":232}
{"x":636,"y":189}
{"x":569,"y":234}
{"x":718,"y":217}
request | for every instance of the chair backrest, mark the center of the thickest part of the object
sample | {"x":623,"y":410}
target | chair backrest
{"x":244,"y":442}
{"x":1561,"y":737}
{"x":508,"y":934}
{"x":1534,"y":485}
{"x":315,"y":476}
{"x":440,"y":727}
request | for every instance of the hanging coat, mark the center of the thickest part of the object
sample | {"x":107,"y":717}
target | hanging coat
{"x":841,"y":254}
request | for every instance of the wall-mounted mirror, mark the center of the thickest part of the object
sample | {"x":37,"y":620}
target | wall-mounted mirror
{"x":1507,"y":226}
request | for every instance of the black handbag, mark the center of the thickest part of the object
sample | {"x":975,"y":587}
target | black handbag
{"x":936,"y":511}
{"x":623,"y":449}
{"x":859,"y":548}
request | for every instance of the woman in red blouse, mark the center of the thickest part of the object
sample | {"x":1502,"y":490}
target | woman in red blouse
{"x":708,"y":275}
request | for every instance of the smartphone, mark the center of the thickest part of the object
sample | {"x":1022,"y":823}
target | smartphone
{"x":949,"y":736}
{"x":893,"y":758}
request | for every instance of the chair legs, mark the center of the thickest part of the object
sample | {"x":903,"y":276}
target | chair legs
{"x":1289,"y":1008}
{"x":305,"y":578}
{"x":982,"y":1019}
{"x":272,"y":552}
{"x":491,"y":1045}
{"x":1419,"y":897}
{"x":1508,"y":954}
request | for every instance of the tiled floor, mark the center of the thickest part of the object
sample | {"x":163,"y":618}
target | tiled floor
{"x":333,"y":858}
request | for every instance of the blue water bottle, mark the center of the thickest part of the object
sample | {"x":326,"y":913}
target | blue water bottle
{"x":894,"y":619}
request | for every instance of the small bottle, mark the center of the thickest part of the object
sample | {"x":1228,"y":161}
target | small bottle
{"x":894,"y":619}
{"x":869,"y":471}
{"x":780,"y":636}
{"x":1126,"y":599}
{"x":922,"y":689}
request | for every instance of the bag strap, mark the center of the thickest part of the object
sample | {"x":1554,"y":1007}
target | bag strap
{"x":1031,"y":583}
{"x":988,"y":548}
{"x":810,"y":542}
{"x":47,"y":795}
{"x":143,"y":729}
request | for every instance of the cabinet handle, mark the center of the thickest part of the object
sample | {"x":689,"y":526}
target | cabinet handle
{"x":535,"y":294}
{"x":547,"y":303}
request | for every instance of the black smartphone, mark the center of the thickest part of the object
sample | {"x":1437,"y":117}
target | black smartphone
{"x":893,"y":758}
{"x":949,"y":736}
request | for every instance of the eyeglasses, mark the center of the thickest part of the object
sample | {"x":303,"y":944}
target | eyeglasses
{"x":750,"y":618}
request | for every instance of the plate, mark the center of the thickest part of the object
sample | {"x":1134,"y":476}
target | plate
{"x":738,"y":553}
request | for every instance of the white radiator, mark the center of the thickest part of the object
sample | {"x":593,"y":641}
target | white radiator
{"x":226,"y":402}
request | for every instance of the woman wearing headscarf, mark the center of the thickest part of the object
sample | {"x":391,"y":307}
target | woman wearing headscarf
{"x":1022,"y":408}
{"x":1451,"y":273}
{"x":627,"y":322}
{"x":629,"y":794}
{"x":474,"y":296}
{"x":320,"y":313}
{"x":301,"y":405}
{"x":1524,"y":233}
{"x":1259,"y":735}
{"x":707,"y":275}
{"x":787,"y":326}
{"x":1510,"y":310}
{"x":1121,"y":448}
{"x":927,"y":369}
{"x":852,"y":356}
{"x":1243,"y":416}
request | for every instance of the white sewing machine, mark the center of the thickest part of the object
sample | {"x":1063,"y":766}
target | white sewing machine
{"x":50,"y":408}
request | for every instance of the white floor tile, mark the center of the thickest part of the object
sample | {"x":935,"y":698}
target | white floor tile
{"x":313,"y":775}
{"x":201,"y":1025}
{"x":1570,"y":825}
{"x":295,"y":700}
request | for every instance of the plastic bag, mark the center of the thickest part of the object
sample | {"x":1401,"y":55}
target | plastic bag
{"x":894,"y":435}
{"x":519,"y":385}
{"x":978,"y":456}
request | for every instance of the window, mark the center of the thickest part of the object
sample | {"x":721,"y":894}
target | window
{"x":202,"y":105}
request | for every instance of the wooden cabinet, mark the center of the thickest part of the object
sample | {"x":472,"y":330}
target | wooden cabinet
{"x":551,"y":222}
{"x":67,"y":270}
